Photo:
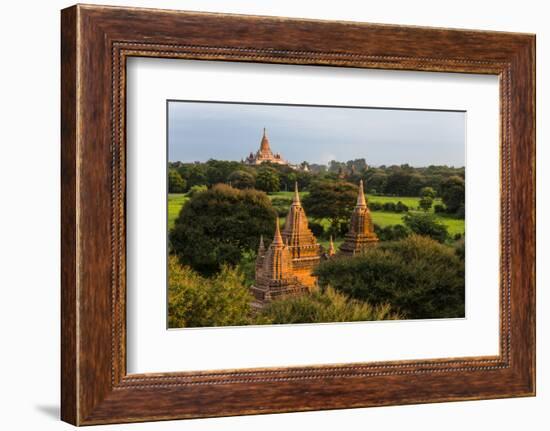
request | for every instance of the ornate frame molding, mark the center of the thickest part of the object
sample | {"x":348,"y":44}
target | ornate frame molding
{"x":96,"y":41}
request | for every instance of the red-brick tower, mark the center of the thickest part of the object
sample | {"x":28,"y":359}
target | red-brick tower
{"x":361,"y":231}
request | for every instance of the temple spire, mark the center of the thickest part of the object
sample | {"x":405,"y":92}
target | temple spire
{"x":361,"y":201}
{"x":277,"y":238}
{"x":296,"y":198}
{"x":264,"y":146}
{"x":331,"y":250}
{"x":261,"y":248}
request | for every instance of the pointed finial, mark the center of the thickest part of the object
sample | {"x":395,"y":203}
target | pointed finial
{"x":296,"y":198}
{"x":331,"y":247}
{"x":261,"y":248}
{"x":277,"y":238}
{"x":361,"y":201}
{"x":264,"y":131}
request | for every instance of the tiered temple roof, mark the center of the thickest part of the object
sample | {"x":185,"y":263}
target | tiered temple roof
{"x":361,"y":231}
{"x":264,"y":154}
{"x":274,"y":273}
{"x":304,"y":248}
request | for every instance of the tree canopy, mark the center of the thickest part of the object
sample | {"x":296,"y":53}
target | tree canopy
{"x":334,"y":200}
{"x":417,"y":276}
{"x":218,"y":225}
{"x":195,"y":301}
{"x":176,"y":184}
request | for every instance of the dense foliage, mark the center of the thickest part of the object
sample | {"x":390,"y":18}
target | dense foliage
{"x":418,"y":276}
{"x":176,"y":184}
{"x":333,"y":200}
{"x":325,"y":306}
{"x":268,"y":180}
{"x":452,"y":193}
{"x":218,"y":225}
{"x":426,"y":224}
{"x":396,"y":180}
{"x":194,"y":301}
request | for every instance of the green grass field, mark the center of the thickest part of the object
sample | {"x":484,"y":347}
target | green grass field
{"x":381,"y":218}
{"x":175,"y":203}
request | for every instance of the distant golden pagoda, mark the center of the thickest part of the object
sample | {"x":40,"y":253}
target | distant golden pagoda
{"x":302,"y":244}
{"x":274,"y":273}
{"x":361,"y":230}
{"x":264,"y":154}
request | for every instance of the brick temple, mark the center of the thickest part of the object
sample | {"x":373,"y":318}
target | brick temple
{"x":274,"y":273}
{"x":264,"y":154}
{"x":286,"y":267}
{"x":303,"y":246}
{"x":361,"y":230}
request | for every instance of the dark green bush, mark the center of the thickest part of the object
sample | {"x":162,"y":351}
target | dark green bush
{"x":417,"y":276}
{"x":324,"y":306}
{"x":375,"y":206}
{"x":317,"y":228}
{"x":400,"y":207}
{"x":218,"y":225}
{"x":426,"y":224}
{"x":391,"y":233}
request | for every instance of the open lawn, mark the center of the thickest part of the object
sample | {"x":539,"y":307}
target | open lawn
{"x":381,"y":218}
{"x":175,"y":203}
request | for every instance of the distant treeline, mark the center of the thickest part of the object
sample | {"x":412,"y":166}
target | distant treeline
{"x":397,"y":180}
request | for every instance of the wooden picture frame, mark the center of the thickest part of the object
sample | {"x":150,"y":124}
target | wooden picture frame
{"x":95,"y":43}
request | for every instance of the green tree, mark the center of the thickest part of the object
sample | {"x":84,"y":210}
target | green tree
{"x":425,"y":203}
{"x":241,"y":179}
{"x":334,"y":200}
{"x":418,"y":276}
{"x":176,"y":184}
{"x":452,"y":193}
{"x":426,"y":224}
{"x":324,"y":306}
{"x":268,"y":180}
{"x":427,"y":192}
{"x":217,"y":226}
{"x":195,"y":301}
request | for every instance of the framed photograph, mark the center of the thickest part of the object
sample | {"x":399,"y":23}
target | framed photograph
{"x":264,"y":214}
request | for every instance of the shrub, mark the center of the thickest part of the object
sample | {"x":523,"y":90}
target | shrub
{"x":324,"y":306}
{"x":417,"y":276}
{"x":375,"y":206}
{"x":392,"y":232}
{"x":195,"y":190}
{"x":195,"y":301}
{"x":425,"y":203}
{"x":389,"y":206}
{"x":317,"y":228}
{"x":400,"y":207}
{"x":426,"y":224}
{"x":218,"y":225}
{"x":438,"y":208}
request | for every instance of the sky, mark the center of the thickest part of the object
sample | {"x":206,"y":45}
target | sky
{"x":226,"y":131}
